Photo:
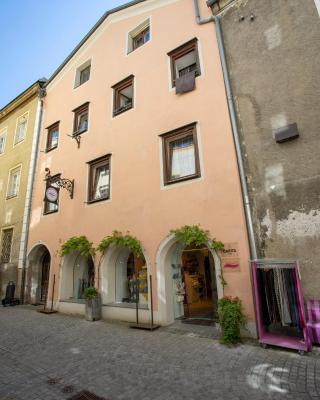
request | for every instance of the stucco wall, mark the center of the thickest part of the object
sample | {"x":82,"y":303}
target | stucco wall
{"x":139,"y":202}
{"x":274,"y":65}
{"x":11,"y":210}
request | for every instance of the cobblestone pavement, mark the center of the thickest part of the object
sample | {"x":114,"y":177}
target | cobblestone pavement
{"x":41,"y":355}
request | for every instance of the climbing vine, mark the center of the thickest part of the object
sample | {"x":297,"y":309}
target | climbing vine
{"x":79,"y":244}
{"x":119,"y":239}
{"x":193,"y":235}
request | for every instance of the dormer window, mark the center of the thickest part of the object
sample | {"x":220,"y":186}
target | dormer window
{"x":81,"y":119}
{"x":83,"y":74}
{"x":185,"y":65}
{"x":139,"y":36}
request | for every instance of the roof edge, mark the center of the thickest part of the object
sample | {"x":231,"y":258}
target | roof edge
{"x":22,"y":97}
{"x":87,"y":36}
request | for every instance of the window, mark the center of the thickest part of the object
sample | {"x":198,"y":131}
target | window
{"x":184,"y":60}
{"x":131,"y":278}
{"x":51,"y":207}
{"x":180,"y":155}
{"x":6,"y":245}
{"x":99,"y":179}
{"x":123,"y":96}
{"x":14,"y":182}
{"x":3,"y":136}
{"x":52,"y":136}
{"x":21,"y":129}
{"x":139,"y":36}
{"x":80,"y":124}
{"x":83,"y":73}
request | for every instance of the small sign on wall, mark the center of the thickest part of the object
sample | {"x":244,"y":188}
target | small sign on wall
{"x":230,"y":257}
{"x":231,"y":264}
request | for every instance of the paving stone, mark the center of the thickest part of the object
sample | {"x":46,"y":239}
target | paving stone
{"x":119,"y":363}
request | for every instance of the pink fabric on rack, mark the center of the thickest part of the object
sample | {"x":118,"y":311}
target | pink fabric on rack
{"x":313,"y":307}
{"x":314,"y":331}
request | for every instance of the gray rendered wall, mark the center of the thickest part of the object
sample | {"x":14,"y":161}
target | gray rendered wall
{"x":274,"y":62}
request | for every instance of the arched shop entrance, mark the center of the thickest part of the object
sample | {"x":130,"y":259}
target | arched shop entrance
{"x":77,"y":274}
{"x":189,"y":283}
{"x":38,"y":274}
{"x":194,"y":285}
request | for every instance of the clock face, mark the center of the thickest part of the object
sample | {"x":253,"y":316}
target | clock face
{"x":52,"y":194}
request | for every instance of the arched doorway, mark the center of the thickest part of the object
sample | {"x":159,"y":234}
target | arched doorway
{"x":195,"y":286}
{"x":45,"y":274}
{"x":189,"y":283}
{"x":77,"y":274}
{"x":38,"y":274}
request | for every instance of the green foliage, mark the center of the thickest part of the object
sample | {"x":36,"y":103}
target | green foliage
{"x":90,"y":293}
{"x":231,"y":318}
{"x":77,"y":243}
{"x":193,"y":235}
{"x":118,"y":239}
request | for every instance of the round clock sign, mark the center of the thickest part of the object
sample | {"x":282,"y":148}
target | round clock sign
{"x":51,"y":194}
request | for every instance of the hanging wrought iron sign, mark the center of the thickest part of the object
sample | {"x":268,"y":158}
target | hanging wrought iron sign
{"x":52,"y":192}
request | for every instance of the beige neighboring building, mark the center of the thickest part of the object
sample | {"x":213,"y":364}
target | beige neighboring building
{"x":19,"y":121}
{"x":137,"y":118}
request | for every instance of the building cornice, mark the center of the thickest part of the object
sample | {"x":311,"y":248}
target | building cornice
{"x":36,"y":89}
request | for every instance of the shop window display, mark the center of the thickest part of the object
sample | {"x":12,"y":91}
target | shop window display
{"x":131,"y":278}
{"x":83,"y":276}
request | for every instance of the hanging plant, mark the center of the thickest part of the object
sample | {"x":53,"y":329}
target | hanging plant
{"x":193,"y":235}
{"x":79,"y":244}
{"x":118,"y":239}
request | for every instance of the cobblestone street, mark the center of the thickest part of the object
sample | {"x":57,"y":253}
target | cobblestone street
{"x":43,"y":356}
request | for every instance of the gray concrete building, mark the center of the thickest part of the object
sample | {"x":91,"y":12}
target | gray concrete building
{"x":273,"y":54}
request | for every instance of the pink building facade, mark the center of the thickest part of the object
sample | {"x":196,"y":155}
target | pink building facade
{"x":137,"y":117}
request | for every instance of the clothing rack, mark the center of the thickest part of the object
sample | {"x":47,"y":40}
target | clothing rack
{"x":279,"y":304}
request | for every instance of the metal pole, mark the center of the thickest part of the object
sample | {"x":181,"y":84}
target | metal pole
{"x":151,"y":300}
{"x":137,"y":302}
{"x":54,"y":281}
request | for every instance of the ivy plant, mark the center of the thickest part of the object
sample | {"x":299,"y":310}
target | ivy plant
{"x":231,"y":319}
{"x":193,"y":235}
{"x":79,"y":244}
{"x":119,"y":239}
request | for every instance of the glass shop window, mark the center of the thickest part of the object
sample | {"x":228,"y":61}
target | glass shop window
{"x":131,"y":278}
{"x":83,"y":276}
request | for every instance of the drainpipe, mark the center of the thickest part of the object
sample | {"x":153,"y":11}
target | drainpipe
{"x":234,"y":124}
{"x":27,"y":208}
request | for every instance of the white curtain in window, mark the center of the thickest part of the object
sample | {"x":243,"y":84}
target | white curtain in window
{"x":183,"y":158}
{"x":14,"y":183}
{"x":102,"y":182}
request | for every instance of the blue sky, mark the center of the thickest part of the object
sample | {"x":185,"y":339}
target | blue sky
{"x":37,"y":35}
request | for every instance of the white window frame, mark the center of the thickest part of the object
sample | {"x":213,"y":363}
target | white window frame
{"x":9,"y":195}
{"x":26,"y":115}
{"x":78,"y":73}
{"x":3,"y":133}
{"x":134,"y":32}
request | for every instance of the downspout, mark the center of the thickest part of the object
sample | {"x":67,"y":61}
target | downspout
{"x":28,"y":202}
{"x":234,"y":124}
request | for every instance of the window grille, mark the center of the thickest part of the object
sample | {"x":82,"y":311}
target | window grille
{"x":6,"y":245}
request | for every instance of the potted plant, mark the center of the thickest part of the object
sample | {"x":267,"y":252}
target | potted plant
{"x":232,"y":319}
{"x":93,"y":304}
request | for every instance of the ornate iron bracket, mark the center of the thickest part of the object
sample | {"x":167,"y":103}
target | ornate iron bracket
{"x":62,"y":182}
{"x":77,"y":139}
